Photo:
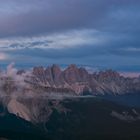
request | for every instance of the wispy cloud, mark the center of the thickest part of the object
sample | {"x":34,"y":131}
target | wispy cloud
{"x":68,"y":39}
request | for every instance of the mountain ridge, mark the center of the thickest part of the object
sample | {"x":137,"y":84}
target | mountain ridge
{"x":34,"y":95}
{"x":80,"y":81}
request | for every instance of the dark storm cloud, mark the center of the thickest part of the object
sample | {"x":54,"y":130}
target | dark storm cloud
{"x":35,"y":17}
{"x":111,"y":27}
{"x":88,"y":57}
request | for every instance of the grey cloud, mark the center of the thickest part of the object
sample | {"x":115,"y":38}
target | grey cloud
{"x":29,"y":58}
{"x":45,"y":16}
{"x":116,"y":20}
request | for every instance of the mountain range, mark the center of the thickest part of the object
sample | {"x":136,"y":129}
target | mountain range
{"x":80,"y":82}
{"x":54,"y":102}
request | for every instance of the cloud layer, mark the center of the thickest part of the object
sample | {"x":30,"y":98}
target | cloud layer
{"x":100,"y":33}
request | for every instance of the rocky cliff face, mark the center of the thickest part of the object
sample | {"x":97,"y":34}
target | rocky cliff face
{"x":79,"y":81}
{"x":34,"y":95}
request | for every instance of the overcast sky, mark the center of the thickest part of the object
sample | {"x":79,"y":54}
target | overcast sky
{"x":98,"y":33}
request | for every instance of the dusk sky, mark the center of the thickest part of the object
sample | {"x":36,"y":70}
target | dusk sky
{"x":98,"y":33}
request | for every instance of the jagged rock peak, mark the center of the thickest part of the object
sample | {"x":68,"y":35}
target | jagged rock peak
{"x":72,"y":66}
{"x":56,"y":69}
{"x":110,"y":73}
{"x":83,"y":70}
{"x":38,"y":70}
